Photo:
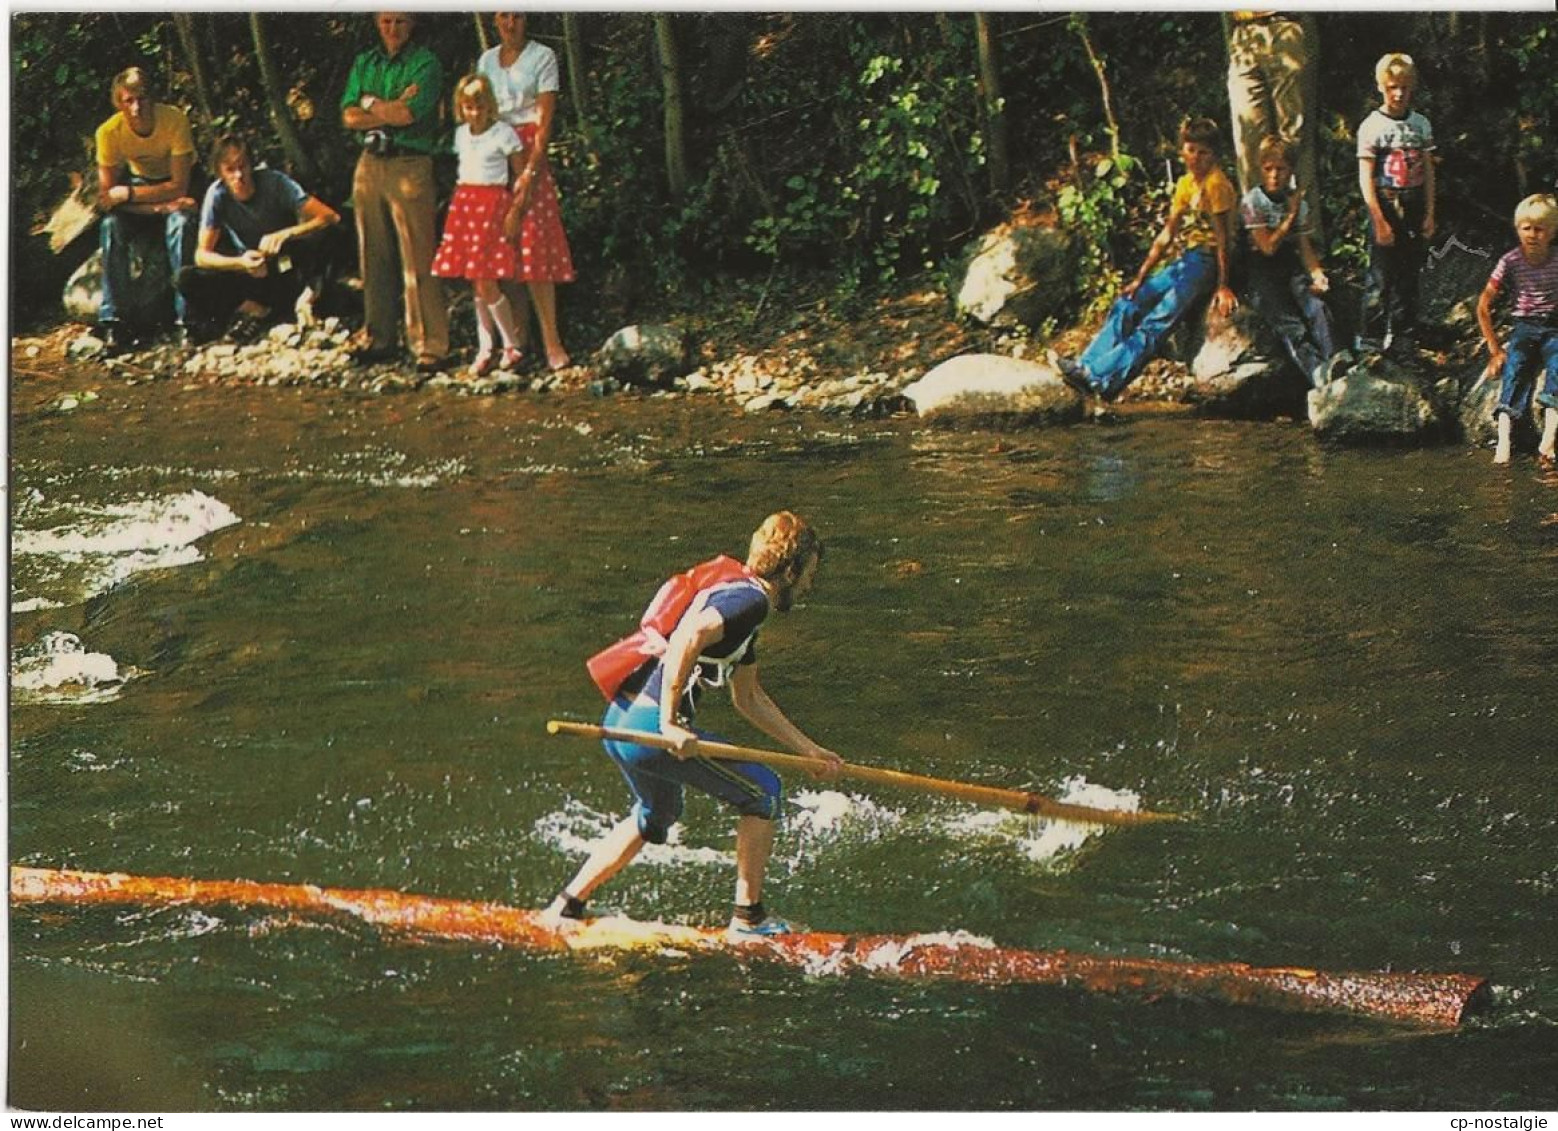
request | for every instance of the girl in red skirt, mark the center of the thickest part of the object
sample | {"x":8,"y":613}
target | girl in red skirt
{"x":484,"y":218}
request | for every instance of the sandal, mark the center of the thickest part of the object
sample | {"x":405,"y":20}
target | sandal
{"x":512,"y":359}
{"x":481,"y":365}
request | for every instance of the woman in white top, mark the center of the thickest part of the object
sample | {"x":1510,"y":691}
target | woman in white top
{"x":523,"y":75}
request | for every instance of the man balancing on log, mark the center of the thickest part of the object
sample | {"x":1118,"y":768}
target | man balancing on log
{"x":701,"y":631}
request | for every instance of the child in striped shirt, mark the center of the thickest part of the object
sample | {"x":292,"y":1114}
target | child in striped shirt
{"x":1530,"y":275}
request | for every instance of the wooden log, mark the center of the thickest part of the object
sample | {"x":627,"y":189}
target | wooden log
{"x":1430,"y":1000}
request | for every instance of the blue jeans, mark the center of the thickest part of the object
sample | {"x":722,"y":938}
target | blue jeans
{"x":1136,"y":326}
{"x":657,"y":777}
{"x":1532,"y":348}
{"x":1298,"y":316}
{"x":115,"y":236}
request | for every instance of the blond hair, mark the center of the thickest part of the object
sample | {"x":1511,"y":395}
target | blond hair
{"x":1395,"y":64}
{"x":782,"y":544}
{"x":1540,"y":208}
{"x":133,"y":79}
{"x":1273,"y":148}
{"x":475,"y":88}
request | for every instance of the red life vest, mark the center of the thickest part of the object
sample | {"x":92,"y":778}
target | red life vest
{"x":611,"y":666}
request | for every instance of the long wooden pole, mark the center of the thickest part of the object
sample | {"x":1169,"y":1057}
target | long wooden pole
{"x":1021,"y":800}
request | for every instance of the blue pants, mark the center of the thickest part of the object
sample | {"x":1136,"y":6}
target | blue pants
{"x":1532,"y":348}
{"x":118,"y":231}
{"x":1298,"y":316}
{"x":1136,"y":326}
{"x":657,"y":777}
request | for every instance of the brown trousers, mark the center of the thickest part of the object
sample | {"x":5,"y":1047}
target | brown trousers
{"x":396,"y":199}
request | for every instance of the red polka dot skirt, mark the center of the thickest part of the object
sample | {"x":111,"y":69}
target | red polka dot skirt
{"x":473,"y":246}
{"x":543,"y":246}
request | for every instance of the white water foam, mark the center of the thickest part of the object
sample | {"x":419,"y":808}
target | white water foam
{"x":1043,"y":841}
{"x":106,"y":544}
{"x":59,"y":669}
{"x":577,"y":828}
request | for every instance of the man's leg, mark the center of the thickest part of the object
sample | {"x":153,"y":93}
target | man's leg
{"x":178,"y":236}
{"x":1248,"y":103}
{"x":413,"y":205}
{"x":113,"y":240}
{"x":210,"y":297}
{"x":606,"y":859}
{"x":376,"y":252}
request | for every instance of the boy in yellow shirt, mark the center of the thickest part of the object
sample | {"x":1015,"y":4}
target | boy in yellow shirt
{"x":1201,"y":212}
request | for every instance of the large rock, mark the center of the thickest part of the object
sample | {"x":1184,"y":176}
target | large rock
{"x":1380,"y":402}
{"x":150,"y":298}
{"x":1017,"y":275}
{"x":654,"y":355}
{"x":1239,"y":366}
{"x":980,"y":387}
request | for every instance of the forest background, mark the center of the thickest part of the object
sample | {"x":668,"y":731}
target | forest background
{"x":740,"y":156}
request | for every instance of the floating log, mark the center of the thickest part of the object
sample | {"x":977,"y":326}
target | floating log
{"x":1432,"y":1000}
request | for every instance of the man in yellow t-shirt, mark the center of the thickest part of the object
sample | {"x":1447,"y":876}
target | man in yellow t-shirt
{"x":145,"y":155}
{"x":1201,"y":219}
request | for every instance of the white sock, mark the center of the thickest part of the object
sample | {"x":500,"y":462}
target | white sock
{"x":1549,"y":430}
{"x":504,"y":317}
{"x":483,"y":327}
{"x":1506,"y":426}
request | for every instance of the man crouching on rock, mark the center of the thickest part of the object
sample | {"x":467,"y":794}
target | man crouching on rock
{"x":259,"y":253}
{"x":712,"y":643}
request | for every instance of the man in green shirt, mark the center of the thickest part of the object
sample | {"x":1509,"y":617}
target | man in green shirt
{"x":391,"y":105}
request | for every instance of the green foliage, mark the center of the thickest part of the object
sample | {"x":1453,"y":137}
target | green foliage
{"x":1095,"y":214}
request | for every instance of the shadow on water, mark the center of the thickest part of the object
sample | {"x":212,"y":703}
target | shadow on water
{"x":1332,"y":659}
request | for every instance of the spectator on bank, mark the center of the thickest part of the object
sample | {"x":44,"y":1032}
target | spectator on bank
{"x":145,"y":155}
{"x":1272,"y":59}
{"x":1528,"y":274}
{"x":483,"y":219}
{"x":391,"y":104}
{"x":524,"y":79}
{"x":1396,"y":179}
{"x":1201,"y":219}
{"x":259,"y":251}
{"x":1286,"y":281}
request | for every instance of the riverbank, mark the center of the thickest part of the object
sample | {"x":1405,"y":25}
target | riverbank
{"x":815,"y":352}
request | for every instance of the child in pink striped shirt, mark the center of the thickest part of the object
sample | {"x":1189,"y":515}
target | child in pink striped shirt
{"x":1530,"y":274}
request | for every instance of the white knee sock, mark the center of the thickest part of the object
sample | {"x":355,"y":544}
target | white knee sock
{"x":1549,"y":430}
{"x":504,"y":317}
{"x":483,"y":326}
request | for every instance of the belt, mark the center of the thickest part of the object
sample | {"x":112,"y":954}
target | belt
{"x":395,"y":149}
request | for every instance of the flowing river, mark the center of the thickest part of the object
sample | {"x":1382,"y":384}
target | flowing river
{"x":314,"y":637}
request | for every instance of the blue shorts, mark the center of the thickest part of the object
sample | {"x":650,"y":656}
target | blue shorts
{"x":657,"y":777}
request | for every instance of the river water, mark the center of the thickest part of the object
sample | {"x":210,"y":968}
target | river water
{"x":311,"y":636}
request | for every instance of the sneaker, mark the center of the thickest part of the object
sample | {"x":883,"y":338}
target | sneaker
{"x":765,"y":927}
{"x":1074,"y":374}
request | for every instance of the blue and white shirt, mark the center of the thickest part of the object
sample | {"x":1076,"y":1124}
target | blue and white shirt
{"x":1400,"y":148}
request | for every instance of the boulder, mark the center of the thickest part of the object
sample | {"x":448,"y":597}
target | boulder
{"x":1375,"y":402}
{"x":1017,"y":275}
{"x":654,"y":355}
{"x":989,"y":387}
{"x":150,"y":299}
{"x":1240,"y":367}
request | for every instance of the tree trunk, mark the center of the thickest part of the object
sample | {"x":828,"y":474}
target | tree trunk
{"x":671,"y":83}
{"x":990,"y":103}
{"x":276,"y":97}
{"x":184,"y":23}
{"x":573,"y":51}
{"x":481,"y":32}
